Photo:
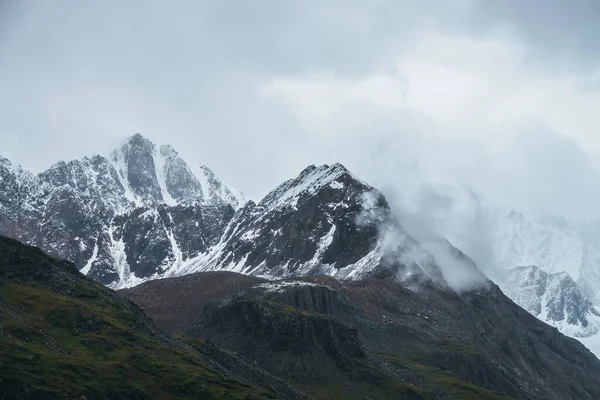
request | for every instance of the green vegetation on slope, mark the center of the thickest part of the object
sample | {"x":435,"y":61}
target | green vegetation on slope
{"x":447,"y":381}
{"x":390,"y":390}
{"x":58,"y":346}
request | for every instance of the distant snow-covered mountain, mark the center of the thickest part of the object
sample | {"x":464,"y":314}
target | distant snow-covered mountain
{"x":552,"y":244}
{"x":563,"y":258}
{"x":328,"y":222}
{"x":144,"y":213}
{"x":554,"y":298}
{"x":122,"y":218}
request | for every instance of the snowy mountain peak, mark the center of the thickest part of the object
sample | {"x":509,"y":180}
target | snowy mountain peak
{"x":323,"y":222}
{"x":167,"y":151}
{"x":154,"y":174}
{"x":325,"y":170}
{"x":134,"y":163}
{"x":8,"y":167}
{"x":15,"y":185}
{"x":121,"y":218}
{"x":554,"y":298}
{"x":311,"y":181}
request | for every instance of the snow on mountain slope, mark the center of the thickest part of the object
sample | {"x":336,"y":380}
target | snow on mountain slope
{"x":154,"y":175}
{"x":522,"y":241}
{"x":553,"y":298}
{"x":552,"y":244}
{"x":125,"y":218}
{"x":566,"y":256}
{"x":589,"y":278}
{"x":325,"y":222}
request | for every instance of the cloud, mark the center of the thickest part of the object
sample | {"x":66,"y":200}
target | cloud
{"x":258,"y":91}
{"x":463,"y":107}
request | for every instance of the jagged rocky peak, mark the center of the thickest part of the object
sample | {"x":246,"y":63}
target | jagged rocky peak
{"x":554,"y":298}
{"x":180,"y":182}
{"x":323,"y":222}
{"x":123,"y":218}
{"x":311,"y":181}
{"x":13,"y":178}
{"x":154,"y":174}
{"x":134,"y":162}
{"x":217,"y":191}
{"x":90,"y":176}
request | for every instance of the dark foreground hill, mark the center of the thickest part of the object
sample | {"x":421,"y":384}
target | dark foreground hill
{"x":64,"y":336}
{"x":375,"y":339}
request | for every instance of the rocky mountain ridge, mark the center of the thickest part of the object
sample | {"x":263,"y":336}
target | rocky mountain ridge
{"x":123,"y":218}
{"x":502,"y":240}
{"x":554,"y":298}
{"x":340,"y":339}
{"x":324,"y":222}
{"x":144,"y":213}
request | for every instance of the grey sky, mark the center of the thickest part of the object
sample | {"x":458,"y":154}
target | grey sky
{"x":503,"y":94}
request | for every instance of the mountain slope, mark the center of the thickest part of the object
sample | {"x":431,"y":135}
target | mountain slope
{"x":554,"y":298}
{"x":501,"y":239}
{"x":144,"y":213}
{"x":324,"y":222}
{"x":63,"y":336}
{"x":121,"y":219}
{"x":347,"y":339}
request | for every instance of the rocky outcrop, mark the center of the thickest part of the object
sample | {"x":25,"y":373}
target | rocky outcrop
{"x":144,"y":213}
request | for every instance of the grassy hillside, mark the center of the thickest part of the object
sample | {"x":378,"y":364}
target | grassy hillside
{"x":63,"y":336}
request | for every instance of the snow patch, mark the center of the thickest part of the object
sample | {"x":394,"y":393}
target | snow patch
{"x":281,"y":286}
{"x":160,"y":165}
{"x":309,"y":182}
{"x":117,"y":160}
{"x":86,"y":269}
{"x":336,"y":185}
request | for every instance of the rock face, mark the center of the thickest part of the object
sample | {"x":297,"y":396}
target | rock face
{"x":144,"y":213}
{"x":353,"y":338}
{"x":121,"y":219}
{"x":325,"y":222}
{"x":554,"y":298}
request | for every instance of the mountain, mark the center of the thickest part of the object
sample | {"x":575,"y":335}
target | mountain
{"x":564,"y":258}
{"x":524,"y":241}
{"x":374,"y":338}
{"x":121,"y":219}
{"x":64,"y":336}
{"x":359,"y":279}
{"x":143,"y":213}
{"x":560,"y":286}
{"x":324,"y":222}
{"x":550,"y":243}
{"x":554,"y":298}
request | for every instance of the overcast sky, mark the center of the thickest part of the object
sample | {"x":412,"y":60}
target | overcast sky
{"x":503,"y":95}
